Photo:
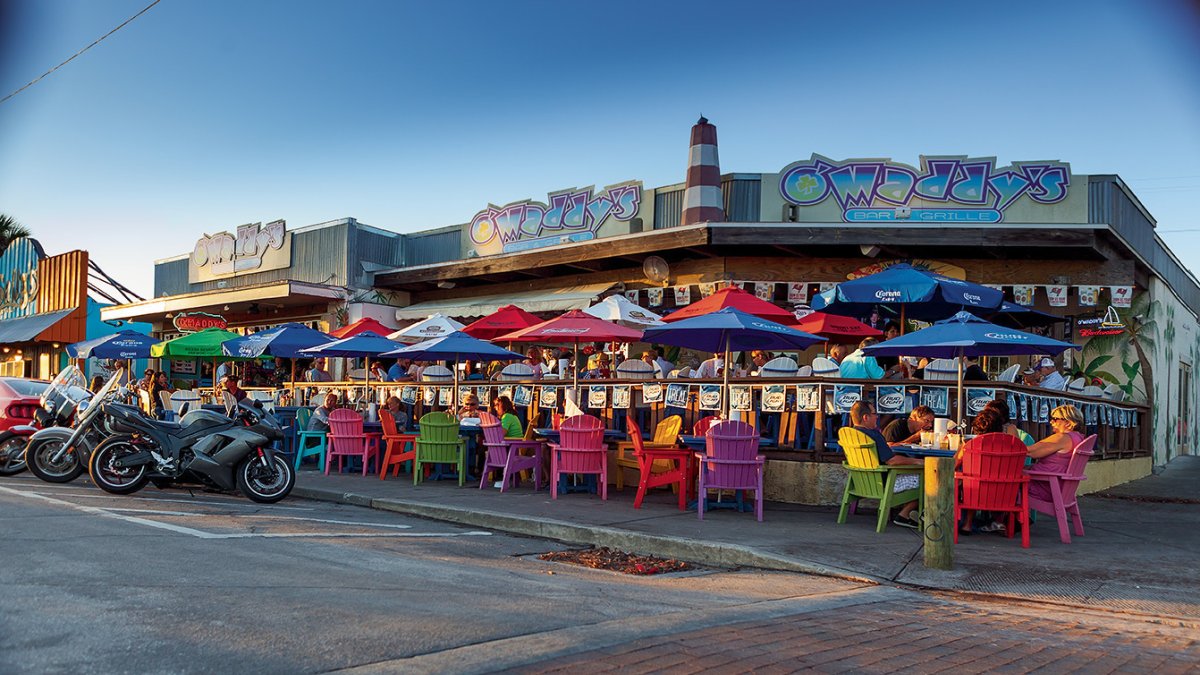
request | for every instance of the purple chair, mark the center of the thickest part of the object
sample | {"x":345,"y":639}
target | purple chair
{"x":732,"y":462}
{"x":505,"y":454}
{"x":580,"y":449}
{"x":1062,"y":487}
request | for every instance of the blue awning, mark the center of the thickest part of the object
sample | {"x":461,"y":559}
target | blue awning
{"x":27,"y":328}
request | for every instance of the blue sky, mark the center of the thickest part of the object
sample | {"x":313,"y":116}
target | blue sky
{"x":200,"y":116}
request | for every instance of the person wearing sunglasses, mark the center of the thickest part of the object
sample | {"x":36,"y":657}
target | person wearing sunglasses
{"x":470,"y":407}
{"x":1053,"y":453}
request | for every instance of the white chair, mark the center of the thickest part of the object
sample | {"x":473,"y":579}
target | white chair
{"x":1114,"y":393}
{"x":635,"y":369}
{"x":437,"y":373}
{"x":1010,"y":374}
{"x":165,"y":397}
{"x":514,"y":372}
{"x":144,"y":400}
{"x":357,"y":374}
{"x":825,"y":367}
{"x":265,"y":397}
{"x":1093,"y":390}
{"x":804,"y":371}
{"x":184,"y":401}
{"x":780,"y":367}
{"x":1076,"y":385}
{"x":1065,"y":385}
{"x":680,"y":374}
{"x":942,"y":369}
{"x":229,"y":402}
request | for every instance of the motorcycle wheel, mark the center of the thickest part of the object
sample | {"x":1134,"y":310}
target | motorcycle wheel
{"x":265,"y":483}
{"x":39,"y":458}
{"x":12,"y":454}
{"x":113,"y":479}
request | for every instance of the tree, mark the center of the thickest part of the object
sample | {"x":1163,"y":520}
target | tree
{"x":10,"y":229}
{"x":1139,"y":337}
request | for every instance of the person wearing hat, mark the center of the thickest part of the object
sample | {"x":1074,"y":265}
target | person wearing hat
{"x":1045,"y":374}
{"x":230,"y":384}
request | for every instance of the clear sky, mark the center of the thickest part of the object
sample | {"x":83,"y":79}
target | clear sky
{"x":205,"y":114}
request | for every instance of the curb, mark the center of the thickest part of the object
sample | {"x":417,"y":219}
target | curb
{"x":703,"y":553}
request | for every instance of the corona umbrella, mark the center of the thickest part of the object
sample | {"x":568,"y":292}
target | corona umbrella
{"x":454,"y":347}
{"x":126,"y":344}
{"x":913,"y":293}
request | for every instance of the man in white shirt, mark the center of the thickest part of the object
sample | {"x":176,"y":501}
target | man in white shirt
{"x":1045,"y":375}
{"x":711,"y":368}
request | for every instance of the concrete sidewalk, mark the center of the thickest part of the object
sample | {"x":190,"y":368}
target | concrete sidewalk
{"x":1139,"y":555}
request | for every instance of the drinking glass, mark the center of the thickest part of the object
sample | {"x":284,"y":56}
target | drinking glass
{"x":955,"y":441}
{"x":926,"y":438}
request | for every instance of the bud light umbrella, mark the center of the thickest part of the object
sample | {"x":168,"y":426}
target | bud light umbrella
{"x":913,"y":293}
{"x":284,"y":341}
{"x":454,"y":347}
{"x":965,"y":334}
{"x":618,"y":309}
{"x":730,"y":330}
{"x":366,"y":343}
{"x":126,"y":344}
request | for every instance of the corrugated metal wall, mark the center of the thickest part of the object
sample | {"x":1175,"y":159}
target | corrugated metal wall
{"x":740,"y":195}
{"x":372,"y":246}
{"x":433,"y":247}
{"x":62,"y":284}
{"x":1108,"y":203}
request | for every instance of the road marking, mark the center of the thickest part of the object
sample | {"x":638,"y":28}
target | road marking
{"x":189,"y":514}
{"x":244,"y":505}
{"x":109,"y":514}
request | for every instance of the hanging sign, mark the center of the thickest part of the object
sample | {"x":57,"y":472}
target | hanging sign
{"x":937,"y":399}
{"x":774,"y":398}
{"x":1023,"y":294}
{"x":620,"y":397}
{"x":656,"y":296}
{"x":845,"y":396}
{"x":740,"y":397}
{"x":677,"y":395}
{"x":407,"y":395}
{"x":194,"y":322}
{"x":1057,"y":294}
{"x":890,"y":400}
{"x":763,"y":290}
{"x":652,"y":392}
{"x":808,"y":397}
{"x":707,"y":288}
{"x":548,"y":397}
{"x":683,"y":295}
{"x":632,"y":296}
{"x":255,"y":248}
{"x":522,"y":395}
{"x":798,"y":293}
{"x":977,"y":399}
{"x":597,"y":396}
{"x":1122,"y":296}
{"x":1088,"y":295}
{"x":710,"y":397}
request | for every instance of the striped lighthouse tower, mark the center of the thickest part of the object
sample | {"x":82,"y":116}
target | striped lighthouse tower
{"x":702,"y":202}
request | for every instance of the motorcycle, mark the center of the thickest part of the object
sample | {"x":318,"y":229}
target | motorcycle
{"x":203,"y":447}
{"x":46,"y":451}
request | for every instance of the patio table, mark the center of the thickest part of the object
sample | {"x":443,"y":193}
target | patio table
{"x":589,"y":481}
{"x":921,"y":451}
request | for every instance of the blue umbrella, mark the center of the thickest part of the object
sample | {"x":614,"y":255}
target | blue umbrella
{"x":1017,"y":316}
{"x":453,"y":347}
{"x":126,"y":344}
{"x":919,"y":294}
{"x":366,"y":343}
{"x":730,"y":330}
{"x":965,"y":334}
{"x":285,"y":341}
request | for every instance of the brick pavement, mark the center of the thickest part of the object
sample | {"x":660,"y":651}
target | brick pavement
{"x":922,"y":635}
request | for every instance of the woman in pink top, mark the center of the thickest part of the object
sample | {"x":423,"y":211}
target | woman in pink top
{"x":1053,"y":453}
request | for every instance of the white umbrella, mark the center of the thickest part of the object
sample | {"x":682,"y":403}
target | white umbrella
{"x":436,"y":326}
{"x":618,"y":309}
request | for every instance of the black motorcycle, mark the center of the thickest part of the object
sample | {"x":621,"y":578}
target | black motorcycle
{"x":204,"y":447}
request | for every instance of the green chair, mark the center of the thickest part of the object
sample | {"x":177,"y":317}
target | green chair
{"x":439,"y":443}
{"x":868,"y":480}
{"x":303,"y":438}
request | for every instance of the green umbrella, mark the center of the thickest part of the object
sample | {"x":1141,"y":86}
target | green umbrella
{"x":206,"y":343}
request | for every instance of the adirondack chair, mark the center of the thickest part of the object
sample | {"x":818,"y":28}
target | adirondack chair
{"x":346,"y":439}
{"x":701,"y":426}
{"x":184,"y":401}
{"x":991,"y":477}
{"x":1010,"y":374}
{"x":505,"y":454}
{"x":665,"y":436}
{"x":779,"y":367}
{"x":731,"y":462}
{"x":825,"y":367}
{"x":580,"y":450}
{"x":868,"y":479}
{"x":309,"y":443}
{"x":395,"y":442}
{"x":439,"y":443}
{"x":942,"y":369}
{"x":659,"y":465}
{"x":1062,"y":487}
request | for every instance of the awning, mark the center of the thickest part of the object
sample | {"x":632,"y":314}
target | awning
{"x":27,"y":328}
{"x":281,"y":294}
{"x":560,"y":300}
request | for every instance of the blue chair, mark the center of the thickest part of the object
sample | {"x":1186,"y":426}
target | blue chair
{"x":305,"y":438}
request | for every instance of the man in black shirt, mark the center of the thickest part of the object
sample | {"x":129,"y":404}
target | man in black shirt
{"x":865,"y":419}
{"x":905,"y":431}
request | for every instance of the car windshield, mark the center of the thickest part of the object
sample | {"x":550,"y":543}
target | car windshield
{"x":25,"y":387}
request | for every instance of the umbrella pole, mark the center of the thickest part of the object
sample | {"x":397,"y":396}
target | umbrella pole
{"x":725,"y":383}
{"x":295,"y":395}
{"x":960,"y":393}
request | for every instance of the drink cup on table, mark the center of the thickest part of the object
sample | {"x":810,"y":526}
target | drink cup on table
{"x":955,"y":442}
{"x":926,"y":439}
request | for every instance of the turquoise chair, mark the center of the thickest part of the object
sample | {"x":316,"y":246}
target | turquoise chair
{"x":309,"y":442}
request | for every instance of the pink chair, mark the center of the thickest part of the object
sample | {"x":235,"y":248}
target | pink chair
{"x":580,"y":450}
{"x":1062,"y":487}
{"x":346,"y":439}
{"x":732,"y":462}
{"x":505,"y":454}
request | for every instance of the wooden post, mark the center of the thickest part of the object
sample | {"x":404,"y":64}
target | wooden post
{"x":939,"y":513}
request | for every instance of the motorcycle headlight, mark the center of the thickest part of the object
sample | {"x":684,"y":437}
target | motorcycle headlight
{"x":49,"y":407}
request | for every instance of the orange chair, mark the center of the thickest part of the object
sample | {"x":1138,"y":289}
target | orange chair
{"x":396,"y":441}
{"x":651,"y":461}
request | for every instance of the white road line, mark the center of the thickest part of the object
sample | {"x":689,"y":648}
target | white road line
{"x":318,"y":535}
{"x":244,"y":505}
{"x":108,"y":514}
{"x":188,"y":514}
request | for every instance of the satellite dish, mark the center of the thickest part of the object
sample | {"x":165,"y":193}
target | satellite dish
{"x":655,"y":269}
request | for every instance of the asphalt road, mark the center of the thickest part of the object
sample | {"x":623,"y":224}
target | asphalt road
{"x":176,"y":582}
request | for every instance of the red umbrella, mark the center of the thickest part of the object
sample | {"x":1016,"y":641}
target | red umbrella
{"x":836,"y":328}
{"x":505,"y":320}
{"x":732,"y":296}
{"x":574,"y":327}
{"x":361,"y":326}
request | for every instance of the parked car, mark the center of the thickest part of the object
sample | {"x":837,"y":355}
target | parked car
{"x":19,"y":399}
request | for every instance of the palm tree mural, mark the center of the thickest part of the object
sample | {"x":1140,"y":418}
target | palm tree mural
{"x":10,"y":229}
{"x":1140,"y":337}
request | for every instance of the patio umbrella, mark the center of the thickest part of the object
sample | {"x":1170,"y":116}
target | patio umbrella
{"x":126,"y":344}
{"x":965,"y":334}
{"x":203,"y":344}
{"x":572,"y":328}
{"x":619,"y":310}
{"x":503,"y":321}
{"x":1018,"y":316}
{"x":836,"y":328}
{"x":730,"y":330}
{"x":366,"y":343}
{"x":911,"y":292}
{"x":361,"y":326}
{"x":284,"y":341}
{"x":437,"y":325}
{"x":732,"y":296}
{"x":454,"y":347}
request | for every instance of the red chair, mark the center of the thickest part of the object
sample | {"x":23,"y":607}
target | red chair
{"x":580,"y":450}
{"x":701,"y":426}
{"x":991,"y":477}
{"x":505,"y":454}
{"x":395,"y":443}
{"x":731,"y":463}
{"x":346,"y":439}
{"x":675,"y":458}
{"x":1062,"y":487}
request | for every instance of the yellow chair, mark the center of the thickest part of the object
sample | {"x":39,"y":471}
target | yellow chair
{"x":867,"y":479}
{"x":665,"y":436}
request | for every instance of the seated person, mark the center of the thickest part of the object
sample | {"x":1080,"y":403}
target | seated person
{"x":711,"y":368}
{"x":988,"y":421}
{"x":906,"y":431}
{"x":503,"y":408}
{"x":469,"y":408}
{"x":230,"y":384}
{"x":972,"y":372}
{"x":892,"y":367}
{"x":399,"y":371}
{"x":1045,"y":375}
{"x":864,"y":419}
{"x":376,"y":371}
{"x":320,"y":416}
{"x":1053,"y":453}
{"x":394,"y":407}
{"x":601,"y":370}
{"x":1001,"y":407}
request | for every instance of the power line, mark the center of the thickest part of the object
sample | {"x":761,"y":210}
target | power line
{"x":81,"y":51}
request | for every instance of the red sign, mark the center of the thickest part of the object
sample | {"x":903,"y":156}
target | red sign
{"x":194,"y":322}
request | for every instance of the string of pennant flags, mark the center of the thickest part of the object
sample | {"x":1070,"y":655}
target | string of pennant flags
{"x":797,"y":292}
